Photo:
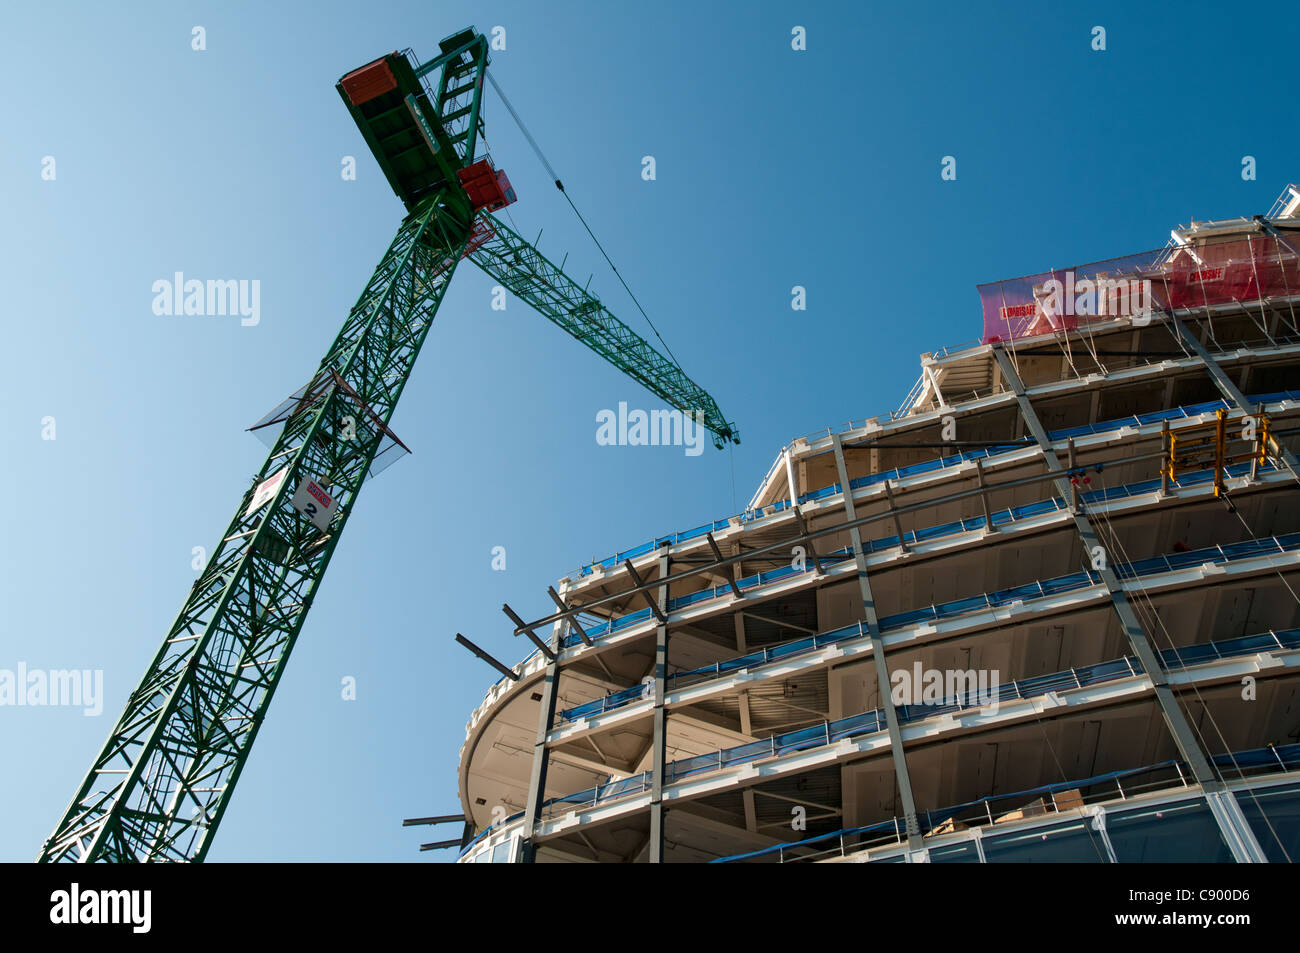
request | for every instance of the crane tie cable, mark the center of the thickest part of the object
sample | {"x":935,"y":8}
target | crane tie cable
{"x":560,"y":185}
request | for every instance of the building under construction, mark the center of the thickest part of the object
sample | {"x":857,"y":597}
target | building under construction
{"x":1046,"y":610}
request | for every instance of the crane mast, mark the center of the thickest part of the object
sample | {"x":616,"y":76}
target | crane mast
{"x":160,"y":785}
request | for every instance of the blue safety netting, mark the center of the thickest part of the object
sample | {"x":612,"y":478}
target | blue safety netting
{"x":873,"y":721}
{"x":1283,"y":757}
{"x":999,"y":518}
{"x":1038,"y":589}
{"x":943,"y":463}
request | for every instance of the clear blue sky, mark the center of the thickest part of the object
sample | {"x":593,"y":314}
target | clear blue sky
{"x":775,"y":168}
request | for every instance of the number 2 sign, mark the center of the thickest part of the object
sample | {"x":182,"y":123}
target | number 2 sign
{"x":314,"y":503}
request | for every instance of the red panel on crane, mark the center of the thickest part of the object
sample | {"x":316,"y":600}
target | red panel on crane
{"x":503,"y":186}
{"x":478,"y":237}
{"x":364,"y":84}
{"x":486,"y":187}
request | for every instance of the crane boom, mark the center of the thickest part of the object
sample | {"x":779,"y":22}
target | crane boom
{"x":162,"y":781}
{"x":530,"y":275}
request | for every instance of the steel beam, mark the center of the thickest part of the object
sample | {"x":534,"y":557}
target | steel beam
{"x":441,"y":844}
{"x":984,"y":496}
{"x":440,"y":819}
{"x":541,"y":751}
{"x":719,"y":562}
{"x":871,"y":623}
{"x":898,"y":523}
{"x":640,"y":586}
{"x":573,"y":620}
{"x":527,"y":630}
{"x":487,"y":657}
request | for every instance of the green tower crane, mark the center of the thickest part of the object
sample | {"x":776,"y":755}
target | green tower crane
{"x":162,"y":782}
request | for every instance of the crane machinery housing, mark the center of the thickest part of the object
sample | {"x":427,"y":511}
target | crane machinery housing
{"x":160,"y":785}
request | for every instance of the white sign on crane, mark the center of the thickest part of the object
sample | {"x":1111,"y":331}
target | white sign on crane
{"x":314,"y":503}
{"x":266,"y":490}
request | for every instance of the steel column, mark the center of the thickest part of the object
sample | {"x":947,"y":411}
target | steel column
{"x":1175,"y":718}
{"x":872,"y":625}
{"x":541,"y":752}
{"x":1226,"y":387}
{"x":659,"y":742}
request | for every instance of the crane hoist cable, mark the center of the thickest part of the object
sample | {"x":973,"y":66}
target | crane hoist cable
{"x":550,"y":170}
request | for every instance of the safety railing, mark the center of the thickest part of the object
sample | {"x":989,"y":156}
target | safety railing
{"x":1286,"y":198}
{"x":1071,"y":678}
{"x":941,"y":463}
{"x":1037,"y":589}
{"x":1248,"y":549}
{"x":1177,"y":658}
{"x":766,"y":656}
{"x":610,"y":702}
{"x":912,"y":396}
{"x":1156,"y":564}
{"x":672,"y":539}
{"x":1033,"y":590}
{"x":830,"y":732}
{"x":872,"y":722}
{"x":600,"y":794}
{"x":954,"y":348}
{"x":986,"y":811}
